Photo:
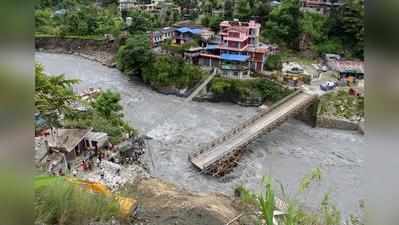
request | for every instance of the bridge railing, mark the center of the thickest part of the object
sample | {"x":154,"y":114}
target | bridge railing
{"x":272,"y":125}
{"x":243,"y":125}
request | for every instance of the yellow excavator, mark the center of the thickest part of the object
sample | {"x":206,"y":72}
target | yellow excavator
{"x":127,"y":206}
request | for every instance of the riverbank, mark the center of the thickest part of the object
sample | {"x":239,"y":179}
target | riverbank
{"x":340,"y":110}
{"x":242,"y":92}
{"x":99,"y":50}
{"x":178,"y":128}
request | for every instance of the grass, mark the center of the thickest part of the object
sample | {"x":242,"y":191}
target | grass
{"x":263,"y":205}
{"x":60,"y":202}
{"x":342,"y":105}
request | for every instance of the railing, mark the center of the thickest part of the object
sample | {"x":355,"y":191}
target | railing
{"x":273,"y":124}
{"x":244,"y":125}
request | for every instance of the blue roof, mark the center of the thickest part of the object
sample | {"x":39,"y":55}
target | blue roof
{"x":234,"y":57}
{"x":189,"y":30}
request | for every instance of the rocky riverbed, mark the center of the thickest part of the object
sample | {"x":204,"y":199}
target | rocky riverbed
{"x":178,"y":128}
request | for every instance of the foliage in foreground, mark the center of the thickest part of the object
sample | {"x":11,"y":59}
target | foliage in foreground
{"x":265,"y":203}
{"x":60,"y":202}
{"x":239,"y":90}
{"x":53,"y":95}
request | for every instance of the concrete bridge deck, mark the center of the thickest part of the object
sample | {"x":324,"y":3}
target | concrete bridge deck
{"x":245,"y":134}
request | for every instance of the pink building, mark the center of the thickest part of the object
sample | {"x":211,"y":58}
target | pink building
{"x":238,"y":51}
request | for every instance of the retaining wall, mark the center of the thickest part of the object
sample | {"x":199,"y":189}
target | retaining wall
{"x":336,"y":123}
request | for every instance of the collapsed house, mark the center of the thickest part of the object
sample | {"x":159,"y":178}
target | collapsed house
{"x":71,"y":143}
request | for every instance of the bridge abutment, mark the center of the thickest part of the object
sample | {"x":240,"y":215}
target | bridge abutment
{"x":309,"y":114}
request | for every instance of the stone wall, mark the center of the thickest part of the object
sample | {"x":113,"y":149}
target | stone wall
{"x":102,"y":51}
{"x":336,"y":123}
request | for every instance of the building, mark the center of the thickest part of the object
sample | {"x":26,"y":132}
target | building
{"x":347,"y":68}
{"x":69,"y":142}
{"x":158,"y":37}
{"x":145,"y":5}
{"x":237,"y":50}
{"x":294,"y":74}
{"x":321,"y":6}
{"x":185,"y":35}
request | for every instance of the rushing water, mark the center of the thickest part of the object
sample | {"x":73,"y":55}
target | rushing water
{"x":177,"y":128}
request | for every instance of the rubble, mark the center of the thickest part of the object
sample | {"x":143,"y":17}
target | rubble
{"x":112,"y":179}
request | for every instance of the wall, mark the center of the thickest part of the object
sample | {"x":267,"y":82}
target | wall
{"x":336,"y":123}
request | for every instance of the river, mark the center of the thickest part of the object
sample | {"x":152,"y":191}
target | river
{"x":287,"y":153}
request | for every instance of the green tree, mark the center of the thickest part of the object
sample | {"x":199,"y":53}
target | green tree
{"x":228,"y":9}
{"x":135,"y":55}
{"x":141,"y":22}
{"x":274,"y":62}
{"x":42,"y":18}
{"x":243,"y":10}
{"x":53,"y":95}
{"x":347,"y":24}
{"x":283,"y":26}
{"x":212,"y":22}
{"x":261,"y":10}
{"x":171,"y":72}
{"x":107,"y":104}
{"x":313,"y":30}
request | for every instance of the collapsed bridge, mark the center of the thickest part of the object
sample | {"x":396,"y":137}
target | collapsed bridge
{"x":219,"y":156}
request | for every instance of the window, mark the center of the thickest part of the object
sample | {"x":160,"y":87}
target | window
{"x":235,"y":73}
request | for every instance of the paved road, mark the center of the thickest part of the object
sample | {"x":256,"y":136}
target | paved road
{"x":205,"y":159}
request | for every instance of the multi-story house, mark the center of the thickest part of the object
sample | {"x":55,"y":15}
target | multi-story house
{"x":158,"y":37}
{"x":238,"y":51}
{"x":146,"y":5}
{"x":321,"y":6}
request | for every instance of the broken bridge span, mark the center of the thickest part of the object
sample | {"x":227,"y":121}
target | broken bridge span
{"x":219,"y":156}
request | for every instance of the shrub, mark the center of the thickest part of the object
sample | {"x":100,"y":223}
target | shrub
{"x":239,"y":90}
{"x":172,"y":72}
{"x":135,"y":55}
{"x":60,"y":202}
{"x":274,"y":62}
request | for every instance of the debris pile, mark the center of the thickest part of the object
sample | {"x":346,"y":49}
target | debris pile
{"x":114,"y":175}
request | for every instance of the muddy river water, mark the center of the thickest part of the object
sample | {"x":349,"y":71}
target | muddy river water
{"x":177,"y":128}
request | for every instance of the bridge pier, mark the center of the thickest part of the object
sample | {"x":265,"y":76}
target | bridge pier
{"x":309,"y":114}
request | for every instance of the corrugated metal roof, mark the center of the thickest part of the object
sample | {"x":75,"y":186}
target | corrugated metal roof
{"x":189,"y":30}
{"x":96,"y":135}
{"x":234,"y":57}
